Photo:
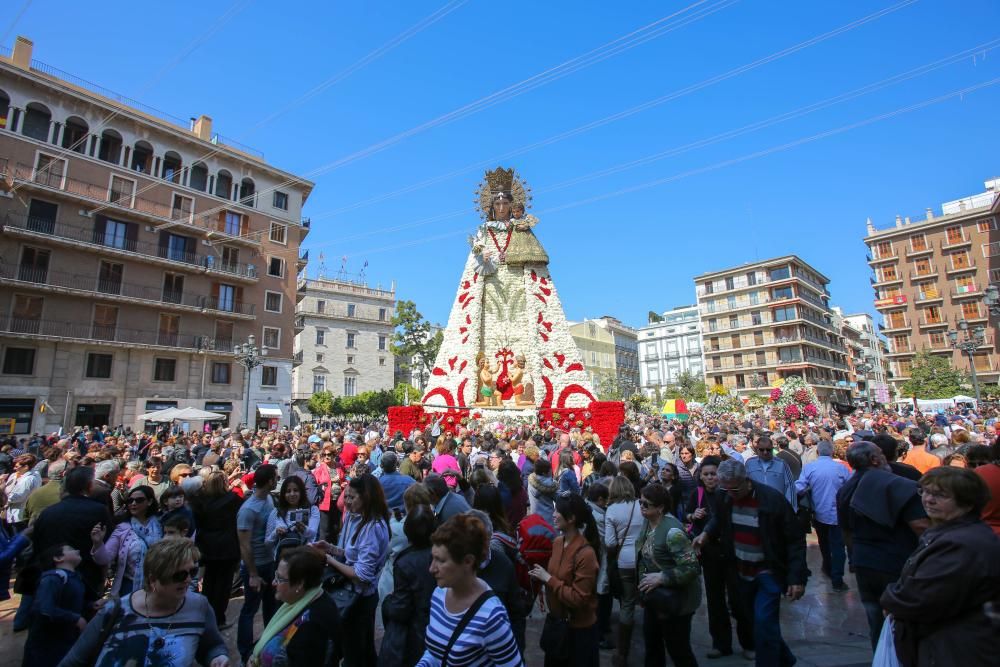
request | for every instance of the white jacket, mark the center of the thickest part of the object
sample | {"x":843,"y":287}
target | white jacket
{"x":620,"y":530}
{"x":18,"y":489}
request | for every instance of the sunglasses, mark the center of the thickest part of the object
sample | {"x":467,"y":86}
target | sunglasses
{"x":137,"y":500}
{"x":180,"y":576}
{"x":730,"y":490}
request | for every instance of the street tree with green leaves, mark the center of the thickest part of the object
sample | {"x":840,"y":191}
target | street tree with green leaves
{"x":412,"y":341}
{"x":688,"y":386}
{"x":320,"y":404}
{"x":933,"y":376}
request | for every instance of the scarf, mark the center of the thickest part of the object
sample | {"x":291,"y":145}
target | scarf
{"x":147,"y":535}
{"x":284,"y":617}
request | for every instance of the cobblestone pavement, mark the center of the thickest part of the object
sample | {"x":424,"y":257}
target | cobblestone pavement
{"x":823,"y":629}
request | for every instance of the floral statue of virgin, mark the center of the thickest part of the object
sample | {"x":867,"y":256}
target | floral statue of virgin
{"x":507,"y":319}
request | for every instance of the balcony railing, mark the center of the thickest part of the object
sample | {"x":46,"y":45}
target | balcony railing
{"x":932,"y":321}
{"x":100,"y":332}
{"x":950,"y":244}
{"x":117,"y":287}
{"x":56,"y":179}
{"x":929,"y":273}
{"x":104,"y":241}
{"x":959,"y":267}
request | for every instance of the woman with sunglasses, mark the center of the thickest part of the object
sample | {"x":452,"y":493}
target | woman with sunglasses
{"x":135,"y":533}
{"x":667,"y":560}
{"x":162,"y":623}
{"x":329,"y":477}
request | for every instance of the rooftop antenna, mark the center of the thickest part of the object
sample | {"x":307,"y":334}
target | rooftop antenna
{"x":341,"y":275}
{"x":322,"y":266}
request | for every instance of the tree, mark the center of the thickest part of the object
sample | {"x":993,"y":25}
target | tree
{"x":403,"y":390}
{"x":933,"y":376}
{"x":688,"y":386}
{"x":320,"y":404}
{"x":639,"y":402}
{"x":609,"y":388}
{"x":412,"y":341}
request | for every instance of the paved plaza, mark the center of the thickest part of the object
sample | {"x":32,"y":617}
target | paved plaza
{"x":823,"y":629}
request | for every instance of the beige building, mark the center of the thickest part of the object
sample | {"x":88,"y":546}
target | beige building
{"x":597,"y":350}
{"x":768,"y":320}
{"x":929,"y":275}
{"x":626,"y":353}
{"x":343,"y":331}
{"x":136,"y":251}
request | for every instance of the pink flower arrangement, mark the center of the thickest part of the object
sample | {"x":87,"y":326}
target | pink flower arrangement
{"x":775,"y":393}
{"x":792,"y":411}
{"x":810,"y":410}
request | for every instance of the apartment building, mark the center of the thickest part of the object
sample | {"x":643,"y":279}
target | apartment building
{"x":929,"y":275}
{"x":854,"y":352}
{"x":668,"y":346}
{"x":343,"y":330}
{"x":874,"y":384}
{"x":597,"y":350}
{"x":136,"y":250}
{"x":768,"y":320}
{"x":626,"y":352}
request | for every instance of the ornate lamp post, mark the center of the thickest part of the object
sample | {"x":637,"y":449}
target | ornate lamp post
{"x":864,"y":369}
{"x":250,"y":357}
{"x":991,"y":297}
{"x":971,"y":340}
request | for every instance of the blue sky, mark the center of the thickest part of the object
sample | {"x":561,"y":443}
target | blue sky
{"x":616,"y":248}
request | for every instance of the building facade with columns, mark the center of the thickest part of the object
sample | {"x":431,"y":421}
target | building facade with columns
{"x":136,"y":251}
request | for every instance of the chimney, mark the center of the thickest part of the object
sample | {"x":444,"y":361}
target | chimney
{"x":203,"y":128}
{"x":22,"y":53}
{"x":907,"y":220}
{"x":930,"y":213}
{"x":870,"y":226}
{"x":899,"y":221}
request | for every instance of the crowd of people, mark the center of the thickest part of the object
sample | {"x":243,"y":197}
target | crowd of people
{"x":126,"y":548}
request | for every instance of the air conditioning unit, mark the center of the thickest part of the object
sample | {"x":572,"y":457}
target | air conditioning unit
{"x":251,"y":270}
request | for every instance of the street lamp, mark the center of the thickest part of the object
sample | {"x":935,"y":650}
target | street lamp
{"x":971,"y":340}
{"x":991,"y":297}
{"x":864,"y":369}
{"x":250,"y":357}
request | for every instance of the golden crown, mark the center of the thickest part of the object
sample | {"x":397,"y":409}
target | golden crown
{"x":505,"y":181}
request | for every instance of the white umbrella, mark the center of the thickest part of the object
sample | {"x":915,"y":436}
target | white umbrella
{"x":180,"y":414}
{"x":164,"y":415}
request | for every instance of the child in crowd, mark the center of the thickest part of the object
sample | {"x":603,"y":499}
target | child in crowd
{"x":174,"y":503}
{"x":57,"y":611}
{"x":177,"y":526}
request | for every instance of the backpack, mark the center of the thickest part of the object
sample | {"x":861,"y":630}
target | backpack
{"x":534,"y":547}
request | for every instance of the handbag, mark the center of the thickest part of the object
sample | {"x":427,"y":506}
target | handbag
{"x":663,"y":601}
{"x":554,"y":641}
{"x":341,"y":590}
{"x":615,"y":586}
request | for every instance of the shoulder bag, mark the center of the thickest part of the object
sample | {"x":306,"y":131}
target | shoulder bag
{"x":615,"y":587}
{"x":467,"y":617}
{"x":663,"y":601}
{"x":341,"y":590}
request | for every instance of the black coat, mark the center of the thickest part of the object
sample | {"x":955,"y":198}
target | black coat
{"x":216,"y":520}
{"x":781,"y":536}
{"x":318,"y":637}
{"x":70,"y":521}
{"x":407,"y":610}
{"x":499,"y":573}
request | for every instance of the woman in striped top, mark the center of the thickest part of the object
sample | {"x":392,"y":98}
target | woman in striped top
{"x":462,"y":598}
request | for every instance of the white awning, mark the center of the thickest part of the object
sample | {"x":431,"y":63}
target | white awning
{"x":269,"y":409}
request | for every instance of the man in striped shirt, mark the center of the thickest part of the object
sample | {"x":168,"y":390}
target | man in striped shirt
{"x":757,"y":526}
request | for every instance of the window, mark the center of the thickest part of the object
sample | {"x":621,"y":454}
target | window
{"x":731,"y":302}
{"x":319,"y":358}
{"x":320,"y":337}
{"x":220,"y":372}
{"x":182,"y":208}
{"x":280,"y":200}
{"x":176,"y":247}
{"x":734,"y":321}
{"x":781,"y":273}
{"x":319,"y":383}
{"x":224,"y":336}
{"x":173,"y":287}
{"x":278,"y":232}
{"x":782,"y":293}
{"x":320,"y":306}
{"x":381,"y":343}
{"x":49,"y":171}
{"x":888,"y":273}
{"x":937,"y":340}
{"x":932,"y":315}
{"x":351,"y":310}
{"x":730,"y":283}
{"x":122,"y":191}
{"x":269,"y":376}
{"x":922,"y":267}
{"x":784,"y":314}
{"x":227,"y":298}
{"x":351,"y":340}
{"x":884,"y":249}
{"x":164,"y":370}
{"x":26,"y":315}
{"x":105,"y":322}
{"x":42,"y":216}
{"x":953,"y":235}
{"x":381,"y":314}
{"x":276,"y":267}
{"x":34,"y":267}
{"x":272,"y":302}
{"x":960,"y":260}
{"x":986,"y":225}
{"x":761,"y":358}
{"x":350,"y":386}
{"x":965,"y":285}
{"x":918,"y":243}
{"x":233,"y":223}
{"x":970,"y":310}
{"x":99,"y":366}
{"x":927,"y":290}
{"x":786,"y":354}
{"x":381,"y":361}
{"x":755,"y":317}
{"x":272,"y":337}
{"x":901,"y":343}
{"x":170,"y":326}
{"x":19,"y":361}
{"x":350,"y":360}
{"x":709,"y":288}
{"x":109,"y":278}
{"x":751,"y":278}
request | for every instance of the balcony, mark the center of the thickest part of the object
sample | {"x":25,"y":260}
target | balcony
{"x":932,"y":322}
{"x":303,"y":260}
{"x":902,"y":350}
{"x":300,"y":323}
{"x":895,"y":301}
{"x":885,"y":281}
{"x":330,"y":314}
{"x":962,"y":267}
{"x":58,"y":282}
{"x":92,"y":334}
{"x":955,"y":243}
{"x":75,"y":236}
{"x":927,"y":274}
{"x":297,"y":358}
{"x":928,"y":297}
{"x":879,"y":257}
{"x":910,"y":253}
{"x":965,"y":292}
{"x":50,"y":180}
{"x":891,"y":327}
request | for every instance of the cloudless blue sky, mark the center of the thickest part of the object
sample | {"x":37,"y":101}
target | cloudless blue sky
{"x":621,"y":255}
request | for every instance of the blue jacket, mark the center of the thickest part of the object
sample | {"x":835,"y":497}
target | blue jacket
{"x":10,"y":547}
{"x":394,"y":485}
